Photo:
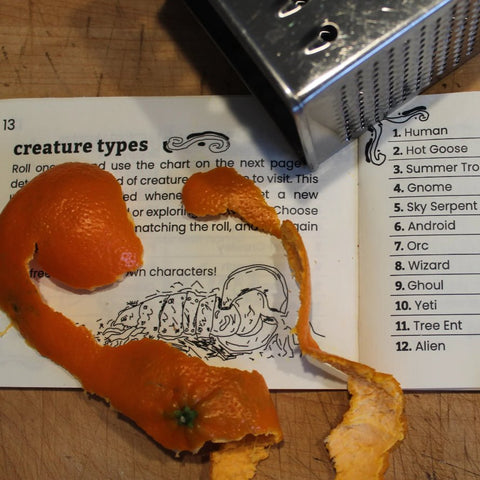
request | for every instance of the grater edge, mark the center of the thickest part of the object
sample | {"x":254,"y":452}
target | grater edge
{"x":326,"y":71}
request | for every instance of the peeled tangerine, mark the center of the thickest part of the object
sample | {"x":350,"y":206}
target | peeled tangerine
{"x":374,"y":423}
{"x":73,"y":218}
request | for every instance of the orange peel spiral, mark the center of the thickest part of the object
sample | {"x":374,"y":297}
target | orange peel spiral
{"x":375,"y":422}
{"x":74,"y":217}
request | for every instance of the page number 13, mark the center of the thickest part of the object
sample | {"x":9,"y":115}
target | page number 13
{"x":8,"y":124}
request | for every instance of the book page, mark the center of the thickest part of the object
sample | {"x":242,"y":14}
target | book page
{"x":420,"y":243}
{"x":214,"y":288}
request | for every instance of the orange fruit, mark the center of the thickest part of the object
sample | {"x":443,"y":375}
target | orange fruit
{"x":374,"y":423}
{"x":75,"y":218}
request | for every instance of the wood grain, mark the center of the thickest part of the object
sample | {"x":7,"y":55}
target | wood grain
{"x":62,"y":48}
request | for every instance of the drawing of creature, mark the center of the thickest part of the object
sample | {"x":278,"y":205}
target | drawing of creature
{"x":247,"y":317}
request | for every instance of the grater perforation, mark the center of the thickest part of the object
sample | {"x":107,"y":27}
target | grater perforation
{"x":435,"y":49}
{"x":360,"y":100}
{"x":406,"y":90}
{"x":461,"y":45}
{"x":472,"y":28}
{"x":329,"y":70}
{"x":345,"y":113}
{"x":391,"y":78}
{"x":421,"y":59}
{"x":450,"y":42}
{"x":376,"y":92}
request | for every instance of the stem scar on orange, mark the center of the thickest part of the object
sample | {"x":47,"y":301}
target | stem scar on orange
{"x":375,"y":422}
{"x":74,"y":217}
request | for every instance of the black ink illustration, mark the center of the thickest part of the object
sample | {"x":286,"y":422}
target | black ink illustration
{"x":216,"y":142}
{"x":248,"y":317}
{"x":372,"y":152}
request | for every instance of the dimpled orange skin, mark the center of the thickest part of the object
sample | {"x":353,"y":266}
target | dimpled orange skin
{"x":375,"y":422}
{"x":75,"y":215}
{"x":74,"y":211}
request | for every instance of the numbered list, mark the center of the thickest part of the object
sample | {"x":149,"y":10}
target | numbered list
{"x":434,"y":237}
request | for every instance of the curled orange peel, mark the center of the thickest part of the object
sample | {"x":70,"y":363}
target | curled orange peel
{"x":374,"y":423}
{"x":223,"y":190}
{"x":75,"y":218}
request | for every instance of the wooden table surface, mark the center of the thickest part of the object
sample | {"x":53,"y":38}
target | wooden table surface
{"x":68,"y":48}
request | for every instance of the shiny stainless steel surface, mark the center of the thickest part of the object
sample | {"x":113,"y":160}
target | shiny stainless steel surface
{"x":326,"y":70}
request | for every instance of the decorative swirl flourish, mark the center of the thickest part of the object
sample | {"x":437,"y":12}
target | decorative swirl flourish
{"x":420,"y":113}
{"x":216,"y":142}
{"x":372,"y":152}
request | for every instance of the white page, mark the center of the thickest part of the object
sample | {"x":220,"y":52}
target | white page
{"x":152,"y":145}
{"x":420,"y":243}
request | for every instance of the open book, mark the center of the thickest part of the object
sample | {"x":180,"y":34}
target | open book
{"x":390,"y":224}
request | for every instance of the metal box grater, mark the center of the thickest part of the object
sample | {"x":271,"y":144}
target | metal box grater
{"x":327,"y":69}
